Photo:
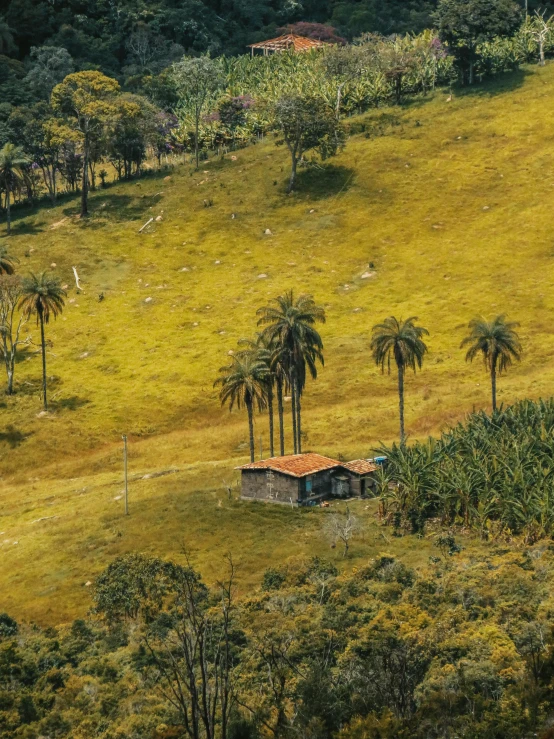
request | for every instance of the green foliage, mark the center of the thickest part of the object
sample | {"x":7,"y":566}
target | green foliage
{"x":493,"y":473}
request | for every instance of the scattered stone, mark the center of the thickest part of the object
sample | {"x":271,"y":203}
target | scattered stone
{"x":118,"y":497}
{"x":367,"y":274}
{"x":356,"y":310}
{"x":148,"y":300}
{"x":184,"y":269}
{"x":53,"y":265}
{"x":312,"y":210}
{"x":71,"y":300}
{"x":158,"y":218}
{"x":42,"y":414}
{"x":195,"y":323}
{"x":166,"y":179}
{"x":486,"y":207}
{"x":84,"y":355}
{"x":64,"y":287}
{"x":217,"y":261}
{"x":230,"y":353}
{"x":88,"y":584}
{"x":233,"y":159}
{"x":15,"y":543}
{"x":222,"y":332}
{"x":233,"y":216}
{"x":263,"y":276}
{"x":267,"y":232}
{"x":291,"y":264}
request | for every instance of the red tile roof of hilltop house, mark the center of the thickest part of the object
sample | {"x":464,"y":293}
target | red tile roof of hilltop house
{"x":295,"y":465}
{"x":289,"y":41}
{"x":360,"y":466}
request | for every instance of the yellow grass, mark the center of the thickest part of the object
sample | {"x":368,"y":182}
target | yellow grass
{"x":453,"y":207}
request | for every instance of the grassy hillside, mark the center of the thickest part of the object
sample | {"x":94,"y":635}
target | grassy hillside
{"x":450,"y":201}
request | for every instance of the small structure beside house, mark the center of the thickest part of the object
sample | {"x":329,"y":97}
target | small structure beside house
{"x":287,"y":42}
{"x":305,"y":479}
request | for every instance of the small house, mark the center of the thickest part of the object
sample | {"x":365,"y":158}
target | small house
{"x":305,"y":479}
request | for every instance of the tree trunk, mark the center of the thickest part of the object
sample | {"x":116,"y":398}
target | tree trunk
{"x":493,"y":385}
{"x":294,"y":427}
{"x":471,"y":72}
{"x":43,"y":343}
{"x":292,"y":180}
{"x":84,"y":183}
{"x":270,"y":411}
{"x":8,"y":211}
{"x":298,"y":421}
{"x":196,"y":134}
{"x":281,"y":416}
{"x":541,"y":53}
{"x":401,"y":403}
{"x":250,"y":427}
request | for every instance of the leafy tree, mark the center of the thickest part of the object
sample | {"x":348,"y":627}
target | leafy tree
{"x":464,"y":24}
{"x":7,"y":262}
{"x":50,"y":66}
{"x":13,"y":175}
{"x":541,"y":30}
{"x":307,"y":124}
{"x":88,"y":101}
{"x":289,"y":331}
{"x":402,"y":341}
{"x":197,"y":81}
{"x":42,"y":296}
{"x":497,"y":341}
{"x":244,"y":383}
{"x":10,"y":325}
{"x":260,"y":351}
{"x":134,"y":129}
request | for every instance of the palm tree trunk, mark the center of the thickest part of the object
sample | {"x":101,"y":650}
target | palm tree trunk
{"x":281,"y":416}
{"x":250,"y":427}
{"x":270,"y":411}
{"x":294,"y":431}
{"x":493,"y":385}
{"x":298,"y":421}
{"x":401,"y":402}
{"x":43,"y":343}
{"x":8,"y":211}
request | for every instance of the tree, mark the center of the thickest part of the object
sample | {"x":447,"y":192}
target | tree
{"x":464,"y":24}
{"x":186,"y":633}
{"x":307,"y":124}
{"x":42,"y":296}
{"x":260,"y":351}
{"x":343,"y":65}
{"x":87,"y":99}
{"x":289,"y":331}
{"x":402,"y":341}
{"x":13,"y":175}
{"x":541,"y":30}
{"x":341,"y":527}
{"x":50,"y":66}
{"x":244,"y":384}
{"x":497,"y":341}
{"x":197,"y":81}
{"x":134,"y":128}
{"x":7,"y":262}
{"x":10,"y":325}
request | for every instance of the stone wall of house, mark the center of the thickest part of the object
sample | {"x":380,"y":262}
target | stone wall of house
{"x":278,"y":488}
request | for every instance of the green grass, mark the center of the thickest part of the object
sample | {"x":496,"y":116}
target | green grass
{"x":452,"y":205}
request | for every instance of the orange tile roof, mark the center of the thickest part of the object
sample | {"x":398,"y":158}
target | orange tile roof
{"x":289,"y":41}
{"x":295,"y":465}
{"x":360,"y":466}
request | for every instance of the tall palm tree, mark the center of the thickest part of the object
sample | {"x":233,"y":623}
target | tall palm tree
{"x":289,"y":330}
{"x":7,"y":262}
{"x":402,"y":341}
{"x":499,"y":344}
{"x":260,"y":351}
{"x":13,"y":175}
{"x":42,"y":296}
{"x":244,"y":383}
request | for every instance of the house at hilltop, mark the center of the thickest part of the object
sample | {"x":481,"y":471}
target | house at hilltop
{"x":305,"y":479}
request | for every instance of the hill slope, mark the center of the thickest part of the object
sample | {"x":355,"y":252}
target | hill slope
{"x":450,"y":201}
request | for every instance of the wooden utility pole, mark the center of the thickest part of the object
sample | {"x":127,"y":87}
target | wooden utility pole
{"x":124,"y":437}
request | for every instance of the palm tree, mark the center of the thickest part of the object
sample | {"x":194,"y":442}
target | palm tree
{"x":297,"y":345}
{"x":260,"y":351}
{"x":497,"y":341}
{"x":7,"y":262}
{"x":244,"y":383}
{"x":399,"y":340}
{"x":43,"y":296}
{"x":12,"y":174}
